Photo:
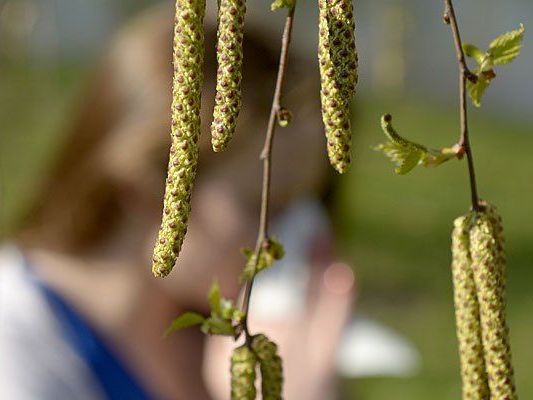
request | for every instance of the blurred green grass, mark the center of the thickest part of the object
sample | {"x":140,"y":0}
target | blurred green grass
{"x":34,"y":112}
{"x":394,"y":229}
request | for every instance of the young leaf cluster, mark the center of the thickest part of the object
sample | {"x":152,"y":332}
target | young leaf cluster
{"x":271,"y":251}
{"x":225,"y":318}
{"x":406,"y":155}
{"x":502,"y":50}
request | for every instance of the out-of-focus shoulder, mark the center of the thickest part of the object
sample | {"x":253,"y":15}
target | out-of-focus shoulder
{"x":36,"y":361}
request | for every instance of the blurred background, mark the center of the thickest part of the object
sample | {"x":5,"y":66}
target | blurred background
{"x":394,"y":230}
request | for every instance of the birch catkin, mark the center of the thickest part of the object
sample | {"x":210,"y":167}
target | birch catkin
{"x":229,"y":73}
{"x":473,"y":372}
{"x":338,"y":75}
{"x":186,"y":97}
{"x":271,"y":367}
{"x":488,"y":264}
{"x":243,"y":364}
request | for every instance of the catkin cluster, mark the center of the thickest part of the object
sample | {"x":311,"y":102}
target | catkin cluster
{"x":186,"y":98}
{"x":271,"y":367}
{"x":337,"y":57}
{"x":243,"y":364}
{"x":479,"y":285}
{"x":229,"y":74}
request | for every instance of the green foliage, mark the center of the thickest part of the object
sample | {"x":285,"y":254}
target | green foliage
{"x":271,"y":251}
{"x":477,"y":89}
{"x":505,"y":48}
{"x":406,"y":155}
{"x":276,"y":4}
{"x":214,"y":298}
{"x":502,"y":50}
{"x":225,"y":317}
{"x":473,"y":52}
{"x":185,"y":320}
{"x":216,"y":325}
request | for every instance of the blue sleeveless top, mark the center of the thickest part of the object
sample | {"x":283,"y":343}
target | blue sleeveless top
{"x":116,"y":381}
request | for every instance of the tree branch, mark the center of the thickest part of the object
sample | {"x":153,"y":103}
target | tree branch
{"x":464,"y":75}
{"x":266,"y":157}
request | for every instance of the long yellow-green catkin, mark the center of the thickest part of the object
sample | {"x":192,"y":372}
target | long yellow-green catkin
{"x":337,"y":57}
{"x":271,"y":367}
{"x":186,"y":98}
{"x":243,"y":364}
{"x":473,"y":372}
{"x":229,"y":74}
{"x":488,"y":264}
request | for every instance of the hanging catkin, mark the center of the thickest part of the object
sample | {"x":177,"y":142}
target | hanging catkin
{"x":488,"y":264}
{"x":243,"y":364}
{"x":473,"y":372}
{"x":271,"y":367}
{"x":186,"y":90}
{"x":229,"y":73}
{"x":337,"y":57}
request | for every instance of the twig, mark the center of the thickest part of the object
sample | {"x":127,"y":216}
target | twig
{"x":464,"y":75}
{"x":266,"y":157}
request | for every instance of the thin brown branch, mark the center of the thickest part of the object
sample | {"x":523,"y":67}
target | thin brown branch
{"x":266,"y":157}
{"x":464,"y":75}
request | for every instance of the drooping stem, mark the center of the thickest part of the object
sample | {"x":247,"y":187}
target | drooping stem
{"x":266,"y":157}
{"x":464,"y":75}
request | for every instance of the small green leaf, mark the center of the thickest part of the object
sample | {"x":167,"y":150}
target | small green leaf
{"x":412,"y":159}
{"x":214,"y":298}
{"x":474,"y":52}
{"x":505,"y":48}
{"x":477,"y":90}
{"x":185,"y":320}
{"x":227,"y":309}
{"x":216,"y":325}
{"x":271,"y":251}
{"x":406,"y":155}
{"x":230,"y":312}
{"x":276,"y":4}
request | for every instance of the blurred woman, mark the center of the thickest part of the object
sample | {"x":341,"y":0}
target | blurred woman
{"x":81,"y":316}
